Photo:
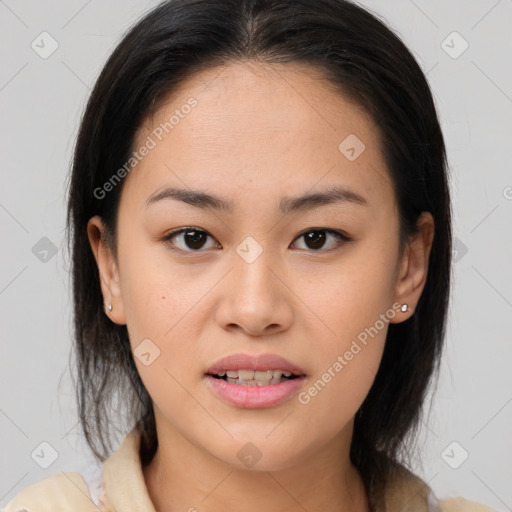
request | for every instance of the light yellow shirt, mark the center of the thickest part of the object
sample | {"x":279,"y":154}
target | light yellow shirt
{"x":119,"y":486}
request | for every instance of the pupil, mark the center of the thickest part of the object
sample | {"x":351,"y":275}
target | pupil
{"x":188,"y":237}
{"x":317,"y":235}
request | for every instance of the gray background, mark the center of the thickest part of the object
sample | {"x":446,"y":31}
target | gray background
{"x":41,"y":100}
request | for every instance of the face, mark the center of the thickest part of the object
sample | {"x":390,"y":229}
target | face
{"x":316,"y":282}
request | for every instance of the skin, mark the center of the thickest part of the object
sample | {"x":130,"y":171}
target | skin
{"x":258,"y":133}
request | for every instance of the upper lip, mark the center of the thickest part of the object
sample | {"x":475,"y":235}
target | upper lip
{"x":260,"y":362}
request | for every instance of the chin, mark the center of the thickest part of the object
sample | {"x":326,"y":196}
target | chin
{"x":259,"y":454}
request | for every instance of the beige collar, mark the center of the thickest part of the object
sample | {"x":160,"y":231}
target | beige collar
{"x":129,"y":493}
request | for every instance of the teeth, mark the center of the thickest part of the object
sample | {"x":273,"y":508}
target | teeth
{"x":245,"y":374}
{"x":252,"y":382}
{"x":254,"y":378}
{"x":264,"y":375}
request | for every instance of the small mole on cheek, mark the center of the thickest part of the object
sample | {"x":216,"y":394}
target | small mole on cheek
{"x":163,"y":297}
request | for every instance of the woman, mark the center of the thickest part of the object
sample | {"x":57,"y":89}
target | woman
{"x":260,"y":225}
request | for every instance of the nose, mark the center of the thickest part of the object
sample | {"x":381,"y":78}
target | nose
{"x":256,"y":298}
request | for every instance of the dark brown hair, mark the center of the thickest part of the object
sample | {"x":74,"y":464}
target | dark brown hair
{"x":369,"y":63}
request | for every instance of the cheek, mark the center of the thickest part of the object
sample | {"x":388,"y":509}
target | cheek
{"x":163,"y":304}
{"x":158,"y":303}
{"x":345,"y":371}
{"x":353,"y":295}
{"x":355,"y":306}
{"x":155,"y":295}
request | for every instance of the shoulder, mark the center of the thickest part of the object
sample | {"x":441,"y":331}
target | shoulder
{"x":60,"y":492}
{"x":407,"y":491}
{"x":462,"y":505}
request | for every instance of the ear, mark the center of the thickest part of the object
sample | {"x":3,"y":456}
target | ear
{"x":413,"y":270}
{"x":108,"y":270}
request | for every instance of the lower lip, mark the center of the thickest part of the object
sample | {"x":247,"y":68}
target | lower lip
{"x":255,"y":397}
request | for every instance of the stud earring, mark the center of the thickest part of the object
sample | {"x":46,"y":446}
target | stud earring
{"x":404,"y":307}
{"x":109,"y":307}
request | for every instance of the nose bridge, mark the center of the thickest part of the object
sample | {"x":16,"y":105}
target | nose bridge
{"x":252,"y":298}
{"x":253,"y":268}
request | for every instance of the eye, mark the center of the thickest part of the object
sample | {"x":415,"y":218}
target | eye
{"x":193,"y":238}
{"x":315,"y":238}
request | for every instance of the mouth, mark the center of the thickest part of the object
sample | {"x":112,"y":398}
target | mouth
{"x":253,"y":382}
{"x":255,"y":370}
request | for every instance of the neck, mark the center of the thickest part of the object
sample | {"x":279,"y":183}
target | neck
{"x":184,"y":477}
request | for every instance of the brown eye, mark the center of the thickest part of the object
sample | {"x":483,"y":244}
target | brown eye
{"x":316,"y":238}
{"x":192,"y":239}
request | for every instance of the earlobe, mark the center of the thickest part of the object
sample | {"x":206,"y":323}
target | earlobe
{"x":413,"y":271}
{"x":107,"y":270}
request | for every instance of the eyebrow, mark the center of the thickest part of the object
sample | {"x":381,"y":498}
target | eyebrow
{"x":287,"y":204}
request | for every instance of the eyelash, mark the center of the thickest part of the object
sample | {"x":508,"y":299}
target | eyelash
{"x":342,"y":237}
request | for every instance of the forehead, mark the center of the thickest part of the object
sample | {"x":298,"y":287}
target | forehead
{"x":260,"y":127}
